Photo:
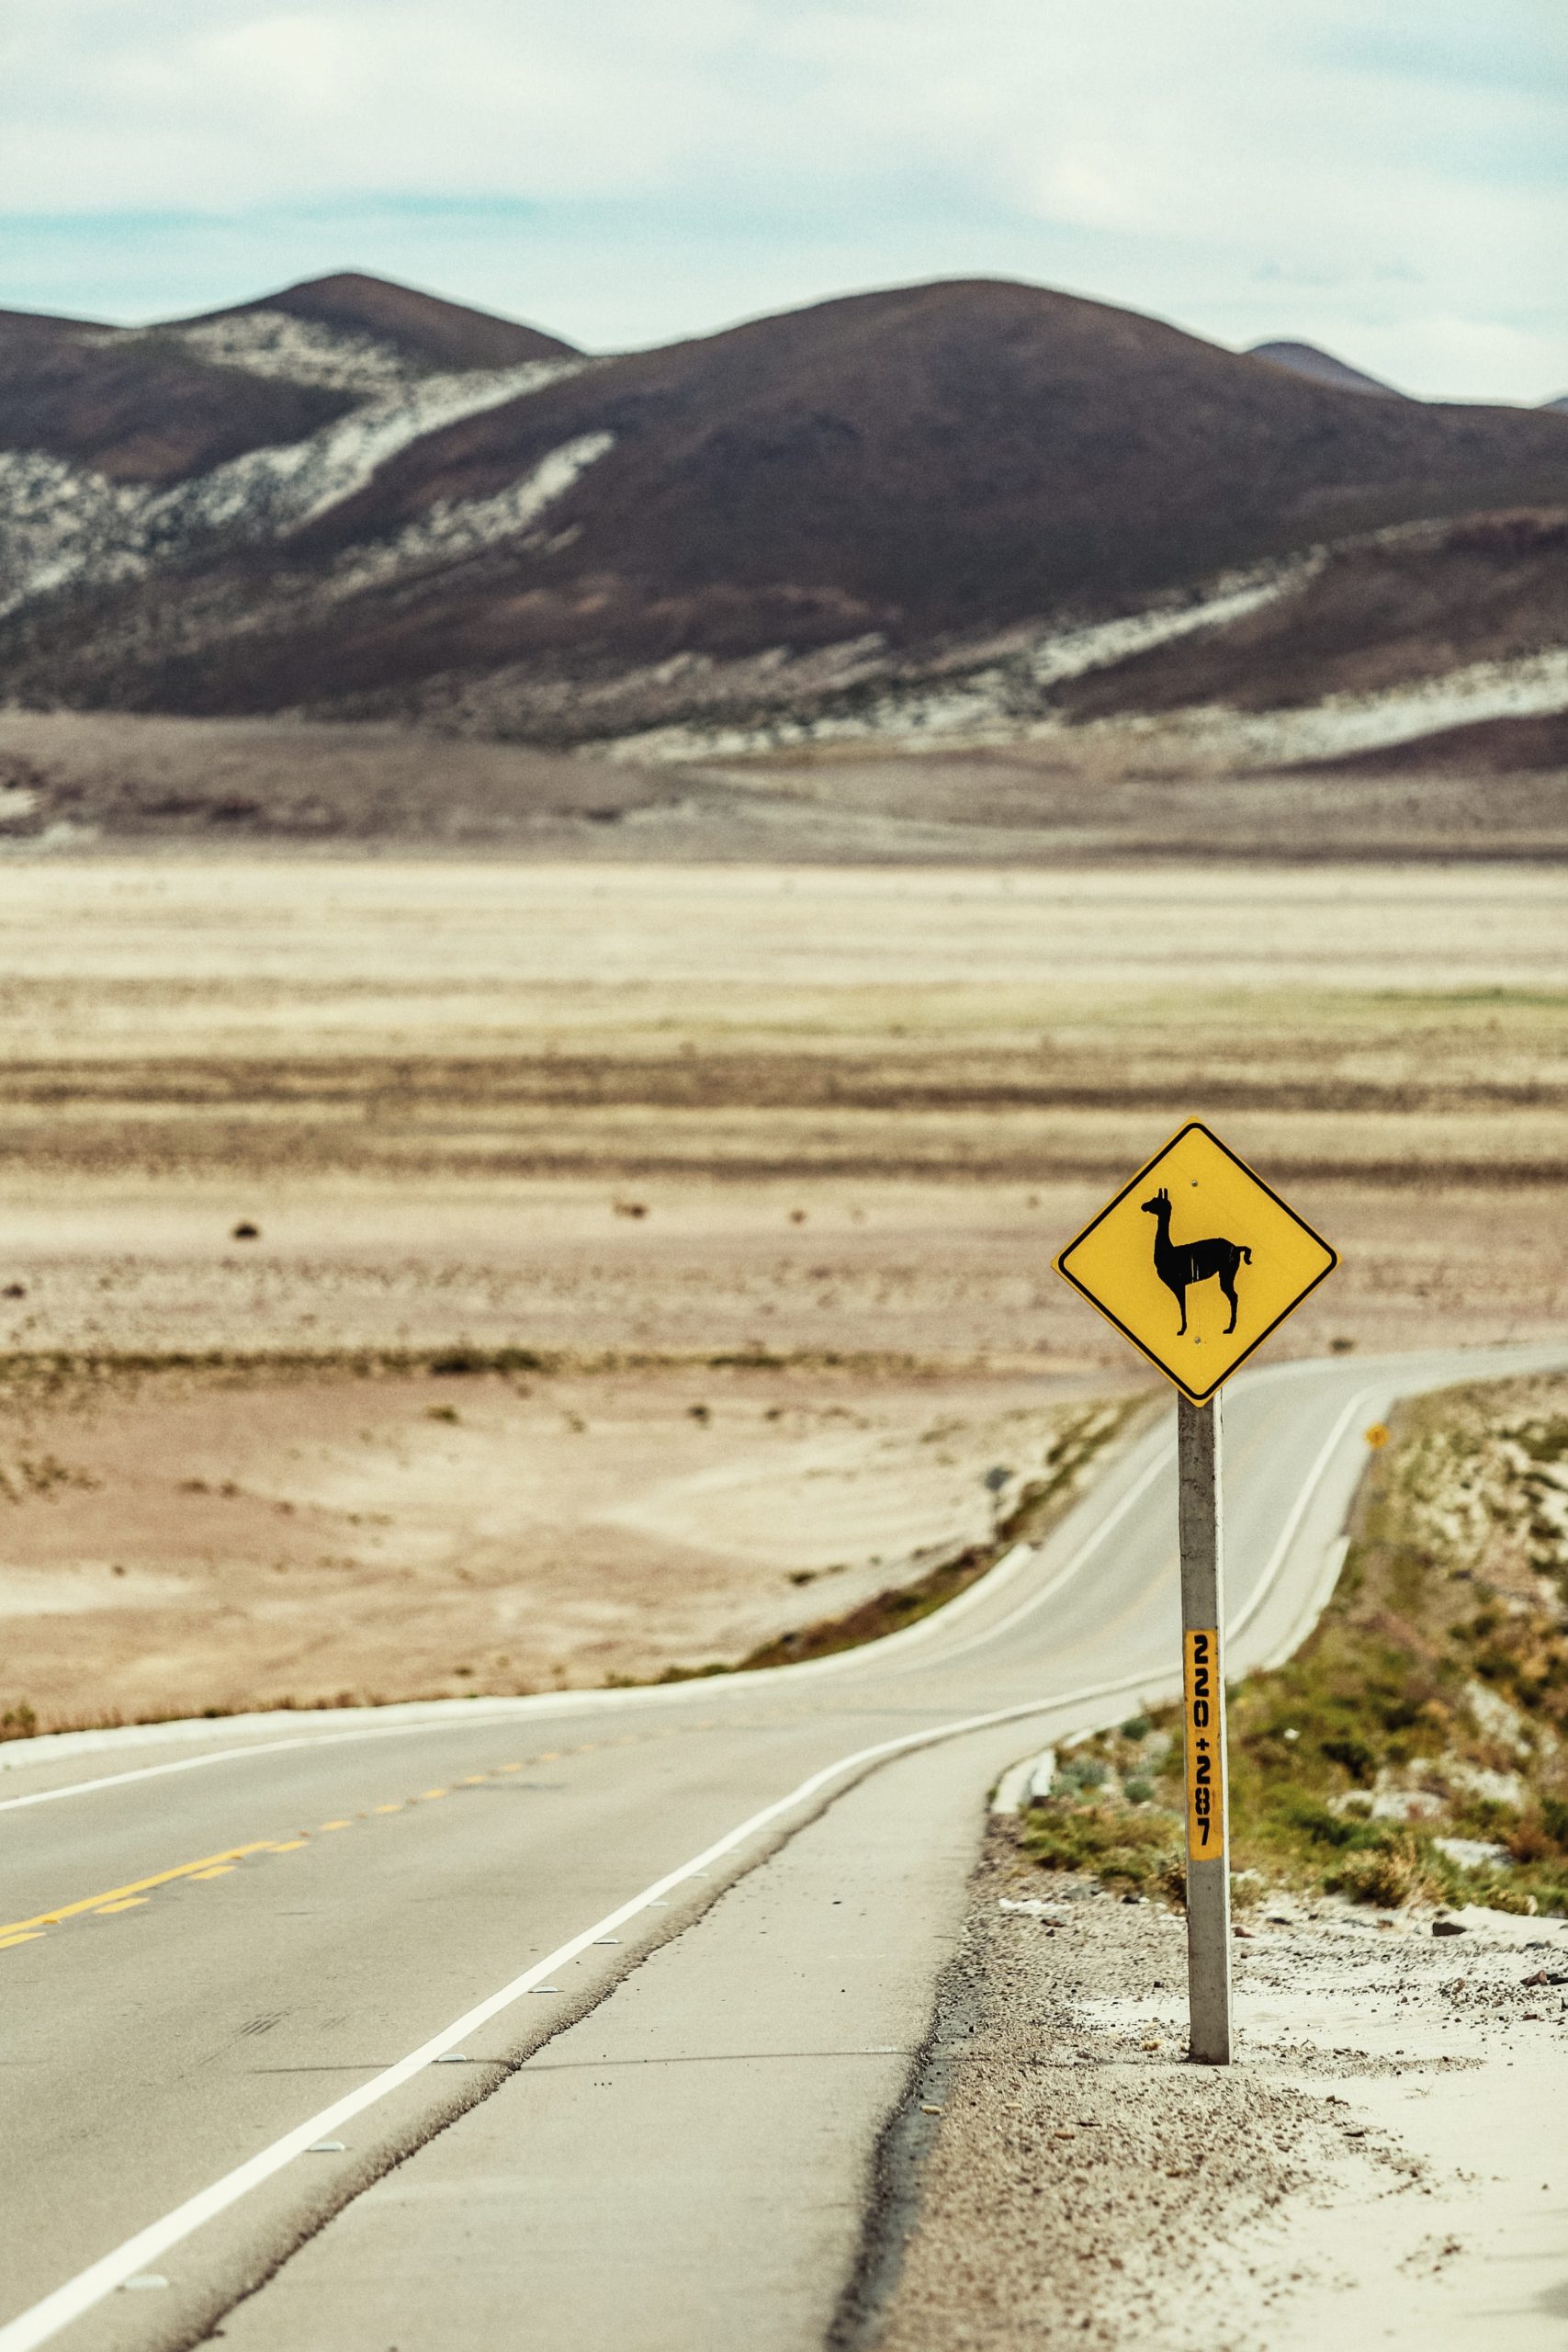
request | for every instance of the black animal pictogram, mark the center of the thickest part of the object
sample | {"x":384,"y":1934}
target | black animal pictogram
{"x":1177,"y":1263}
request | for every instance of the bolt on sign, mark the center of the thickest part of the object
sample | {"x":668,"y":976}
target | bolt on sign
{"x":1196,"y":1262}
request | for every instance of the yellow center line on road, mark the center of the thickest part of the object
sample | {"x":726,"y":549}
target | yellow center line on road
{"x":211,"y":1866}
{"x":137,"y":1886}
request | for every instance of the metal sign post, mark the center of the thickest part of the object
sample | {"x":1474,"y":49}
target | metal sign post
{"x":1198,"y":1450}
{"x":1195,"y":1237}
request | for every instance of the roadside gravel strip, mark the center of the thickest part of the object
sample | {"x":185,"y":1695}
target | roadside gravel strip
{"x":1384,"y":2165}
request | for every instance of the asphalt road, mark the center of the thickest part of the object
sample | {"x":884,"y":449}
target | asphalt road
{"x":233,"y":1943}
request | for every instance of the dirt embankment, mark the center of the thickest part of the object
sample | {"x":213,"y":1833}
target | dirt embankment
{"x":234,"y":1537}
{"x":1215,"y":785}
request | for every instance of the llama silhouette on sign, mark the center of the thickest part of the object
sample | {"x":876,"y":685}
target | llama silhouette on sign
{"x":1179,"y":1263}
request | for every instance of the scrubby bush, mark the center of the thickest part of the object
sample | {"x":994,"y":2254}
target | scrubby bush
{"x":1123,"y":1848}
{"x":1390,"y":1871}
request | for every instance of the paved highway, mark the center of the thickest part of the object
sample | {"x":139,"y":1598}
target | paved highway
{"x":252,"y":1969}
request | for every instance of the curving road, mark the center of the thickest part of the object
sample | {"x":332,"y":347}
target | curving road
{"x":253,"y":1969}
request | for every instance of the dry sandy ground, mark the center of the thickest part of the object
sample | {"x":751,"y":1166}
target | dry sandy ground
{"x":1384,"y":2164}
{"x":181,"y":1539}
{"x":836,"y":1121}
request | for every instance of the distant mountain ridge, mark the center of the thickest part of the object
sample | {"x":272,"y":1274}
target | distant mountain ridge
{"x":1323,"y":367}
{"x":351,"y":499}
{"x":424,"y":328}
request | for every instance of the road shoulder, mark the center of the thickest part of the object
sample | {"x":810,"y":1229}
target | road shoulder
{"x":1384,"y":2164}
{"x":687,"y":2167}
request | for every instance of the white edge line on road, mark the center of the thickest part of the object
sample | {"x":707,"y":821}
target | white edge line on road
{"x":446,"y":1714}
{"x":546,"y":1704}
{"x":1069,"y":1568}
{"x":422,"y":1715}
{"x":1304,"y":1496}
{"x":1318,"y":1600}
{"x":417,"y":1715}
{"x":467,"y":1713}
{"x":79,"y":2295}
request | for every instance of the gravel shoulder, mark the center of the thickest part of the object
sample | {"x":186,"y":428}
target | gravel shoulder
{"x":1384,"y":2163}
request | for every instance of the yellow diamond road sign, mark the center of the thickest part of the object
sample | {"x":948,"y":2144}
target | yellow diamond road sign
{"x":1196,"y":1262}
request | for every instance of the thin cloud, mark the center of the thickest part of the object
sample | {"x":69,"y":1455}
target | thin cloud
{"x":626,"y":170}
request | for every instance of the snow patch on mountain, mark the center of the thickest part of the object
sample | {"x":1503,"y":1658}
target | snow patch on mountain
{"x":270,"y":343}
{"x":455,"y":528}
{"x":987,"y":707}
{"x":64,"y":528}
{"x":994,"y":701}
{"x":58,"y":526}
{"x":1524,"y":687}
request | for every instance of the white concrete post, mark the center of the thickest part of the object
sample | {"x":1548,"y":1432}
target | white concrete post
{"x":1203,"y":1721}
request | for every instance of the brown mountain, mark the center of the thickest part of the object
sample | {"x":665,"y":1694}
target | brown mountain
{"x":420,"y":326}
{"x":149,"y":405}
{"x":919,"y":466}
{"x":1395,"y":609}
{"x":138,"y":407}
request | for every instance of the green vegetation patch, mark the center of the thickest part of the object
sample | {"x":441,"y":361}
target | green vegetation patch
{"x":1417,"y":1749}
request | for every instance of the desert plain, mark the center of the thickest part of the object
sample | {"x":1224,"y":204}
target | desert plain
{"x":427,"y":1274}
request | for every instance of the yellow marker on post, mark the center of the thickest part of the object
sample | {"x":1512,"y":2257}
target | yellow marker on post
{"x":1203,"y":1737}
{"x":1195,"y":1261}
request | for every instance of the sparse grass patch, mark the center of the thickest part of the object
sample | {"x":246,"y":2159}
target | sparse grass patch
{"x":1139,"y":1849}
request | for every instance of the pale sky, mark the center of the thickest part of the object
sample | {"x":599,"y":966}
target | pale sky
{"x":1386,"y":177}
